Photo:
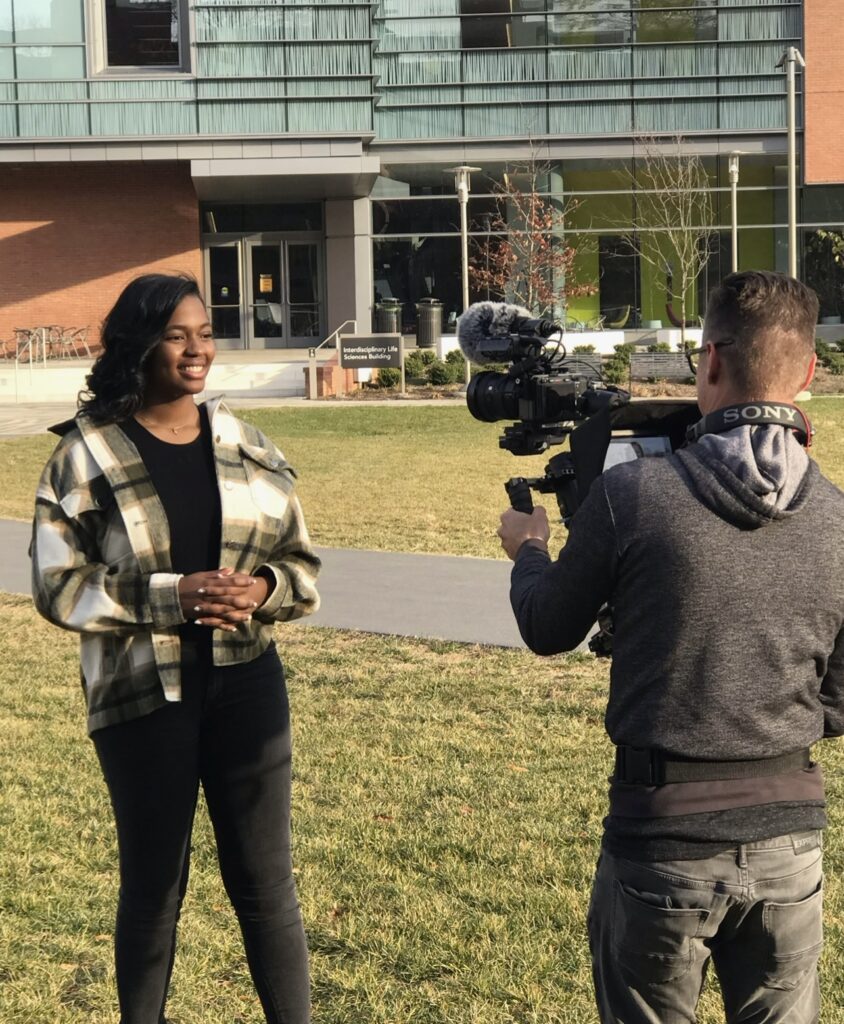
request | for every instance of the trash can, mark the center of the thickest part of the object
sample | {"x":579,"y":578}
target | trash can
{"x":429,"y":322}
{"x":388,"y":317}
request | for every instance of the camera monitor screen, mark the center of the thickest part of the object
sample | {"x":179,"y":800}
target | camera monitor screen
{"x":631,"y":447}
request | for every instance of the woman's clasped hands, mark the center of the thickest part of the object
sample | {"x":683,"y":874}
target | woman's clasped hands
{"x":221,"y":598}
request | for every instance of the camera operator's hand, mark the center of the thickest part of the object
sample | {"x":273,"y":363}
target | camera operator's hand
{"x":517,"y":527}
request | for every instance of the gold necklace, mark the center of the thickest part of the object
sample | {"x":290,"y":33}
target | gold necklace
{"x":192,"y":422}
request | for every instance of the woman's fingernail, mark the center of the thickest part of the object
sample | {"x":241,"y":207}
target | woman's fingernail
{"x":201,"y":590}
{"x":197,"y":608}
{"x":199,"y":622}
{"x":254,"y":604}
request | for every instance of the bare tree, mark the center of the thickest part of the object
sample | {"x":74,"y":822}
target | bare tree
{"x":674,"y":218}
{"x":529,"y":262}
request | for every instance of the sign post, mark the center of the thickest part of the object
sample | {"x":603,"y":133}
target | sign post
{"x":372,"y":351}
{"x":312,"y":374}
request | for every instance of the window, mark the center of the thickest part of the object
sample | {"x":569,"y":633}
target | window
{"x":261,"y":217}
{"x":684,"y":24}
{"x":42,"y":39}
{"x":492,"y":24}
{"x":141,"y":34}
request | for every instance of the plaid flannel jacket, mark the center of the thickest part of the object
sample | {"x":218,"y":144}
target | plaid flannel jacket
{"x":101,"y":558}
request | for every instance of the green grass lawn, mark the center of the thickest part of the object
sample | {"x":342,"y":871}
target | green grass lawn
{"x":393,"y":479}
{"x":447,"y":813}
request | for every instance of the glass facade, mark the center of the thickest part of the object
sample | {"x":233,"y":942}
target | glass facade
{"x":259,"y":68}
{"x":403,"y":69}
{"x":416,"y":241}
{"x":411,"y":72}
{"x":580,"y":67}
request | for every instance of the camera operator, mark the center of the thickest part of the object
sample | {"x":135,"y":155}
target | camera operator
{"x":724,"y":568}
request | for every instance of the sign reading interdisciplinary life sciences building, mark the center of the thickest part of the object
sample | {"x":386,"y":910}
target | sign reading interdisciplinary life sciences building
{"x":367,"y":351}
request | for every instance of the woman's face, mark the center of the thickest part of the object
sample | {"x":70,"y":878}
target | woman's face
{"x":180,"y":363}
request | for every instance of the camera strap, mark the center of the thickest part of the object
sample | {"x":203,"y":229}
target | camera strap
{"x":754,"y":414}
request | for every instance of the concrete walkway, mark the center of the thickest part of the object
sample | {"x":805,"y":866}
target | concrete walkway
{"x":436,"y":596}
{"x":35,"y":417}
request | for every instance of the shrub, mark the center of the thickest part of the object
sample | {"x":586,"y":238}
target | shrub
{"x":439,"y":373}
{"x":427,"y":355}
{"x":835,"y":364}
{"x":388,"y":377}
{"x":494,"y":367}
{"x":616,"y":370}
{"x":583,"y":349}
{"x":414,"y":366}
{"x":822,"y":349}
{"x":831,"y":356}
{"x":659,"y":346}
{"x":455,"y":356}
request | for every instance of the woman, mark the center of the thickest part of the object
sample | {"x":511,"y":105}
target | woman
{"x":169,"y":536}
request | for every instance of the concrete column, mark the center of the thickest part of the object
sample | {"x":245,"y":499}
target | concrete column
{"x":348,"y":262}
{"x":554,"y":184}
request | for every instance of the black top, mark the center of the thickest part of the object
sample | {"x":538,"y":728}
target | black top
{"x":185,"y":479}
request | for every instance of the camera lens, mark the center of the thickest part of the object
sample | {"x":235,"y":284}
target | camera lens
{"x":493,"y":396}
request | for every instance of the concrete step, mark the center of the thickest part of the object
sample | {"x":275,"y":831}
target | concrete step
{"x":263,"y":373}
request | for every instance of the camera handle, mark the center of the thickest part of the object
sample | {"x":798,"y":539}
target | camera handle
{"x":518,"y":490}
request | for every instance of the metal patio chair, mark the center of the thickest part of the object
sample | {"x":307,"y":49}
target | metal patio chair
{"x":71,"y":341}
{"x":620,"y":321}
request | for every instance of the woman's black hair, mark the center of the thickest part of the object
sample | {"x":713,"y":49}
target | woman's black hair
{"x":131,"y":331}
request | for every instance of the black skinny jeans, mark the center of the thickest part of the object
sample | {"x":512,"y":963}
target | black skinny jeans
{"x":231,"y":733}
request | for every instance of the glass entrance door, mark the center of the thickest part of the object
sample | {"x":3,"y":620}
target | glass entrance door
{"x":283,"y":289}
{"x":265,"y":291}
{"x":224,"y":294}
{"x":303,"y":290}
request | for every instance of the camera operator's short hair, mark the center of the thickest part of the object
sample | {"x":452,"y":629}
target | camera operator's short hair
{"x":771,"y":317}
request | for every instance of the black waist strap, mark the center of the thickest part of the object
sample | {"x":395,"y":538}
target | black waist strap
{"x":643,"y":766}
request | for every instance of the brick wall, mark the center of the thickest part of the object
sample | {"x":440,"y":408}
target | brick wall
{"x":824,"y":84}
{"x":71,"y":235}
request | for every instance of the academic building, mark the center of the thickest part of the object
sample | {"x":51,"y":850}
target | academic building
{"x":296,"y":155}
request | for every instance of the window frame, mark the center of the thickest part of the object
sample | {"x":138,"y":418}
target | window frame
{"x":97,"y":47}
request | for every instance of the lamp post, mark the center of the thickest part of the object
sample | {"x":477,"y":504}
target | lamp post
{"x":789,"y":59}
{"x":463,"y":184}
{"x":734,"y":178}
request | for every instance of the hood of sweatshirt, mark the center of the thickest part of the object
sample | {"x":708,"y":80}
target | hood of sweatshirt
{"x":751,"y":475}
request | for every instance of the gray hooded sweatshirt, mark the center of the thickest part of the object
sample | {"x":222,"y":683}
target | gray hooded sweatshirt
{"x":724,"y":565}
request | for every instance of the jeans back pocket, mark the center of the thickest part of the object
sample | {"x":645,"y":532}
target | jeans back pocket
{"x":653,"y":940}
{"x":794,"y":933}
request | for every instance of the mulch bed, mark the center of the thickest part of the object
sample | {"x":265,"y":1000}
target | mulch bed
{"x":824,"y":383}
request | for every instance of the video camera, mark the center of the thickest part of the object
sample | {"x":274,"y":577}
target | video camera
{"x":551,"y":397}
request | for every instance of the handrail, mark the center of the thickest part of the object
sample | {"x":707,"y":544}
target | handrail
{"x":334,"y":336}
{"x":21,"y":348}
{"x":35,"y":344}
{"x":312,"y":361}
{"x":30,"y":345}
